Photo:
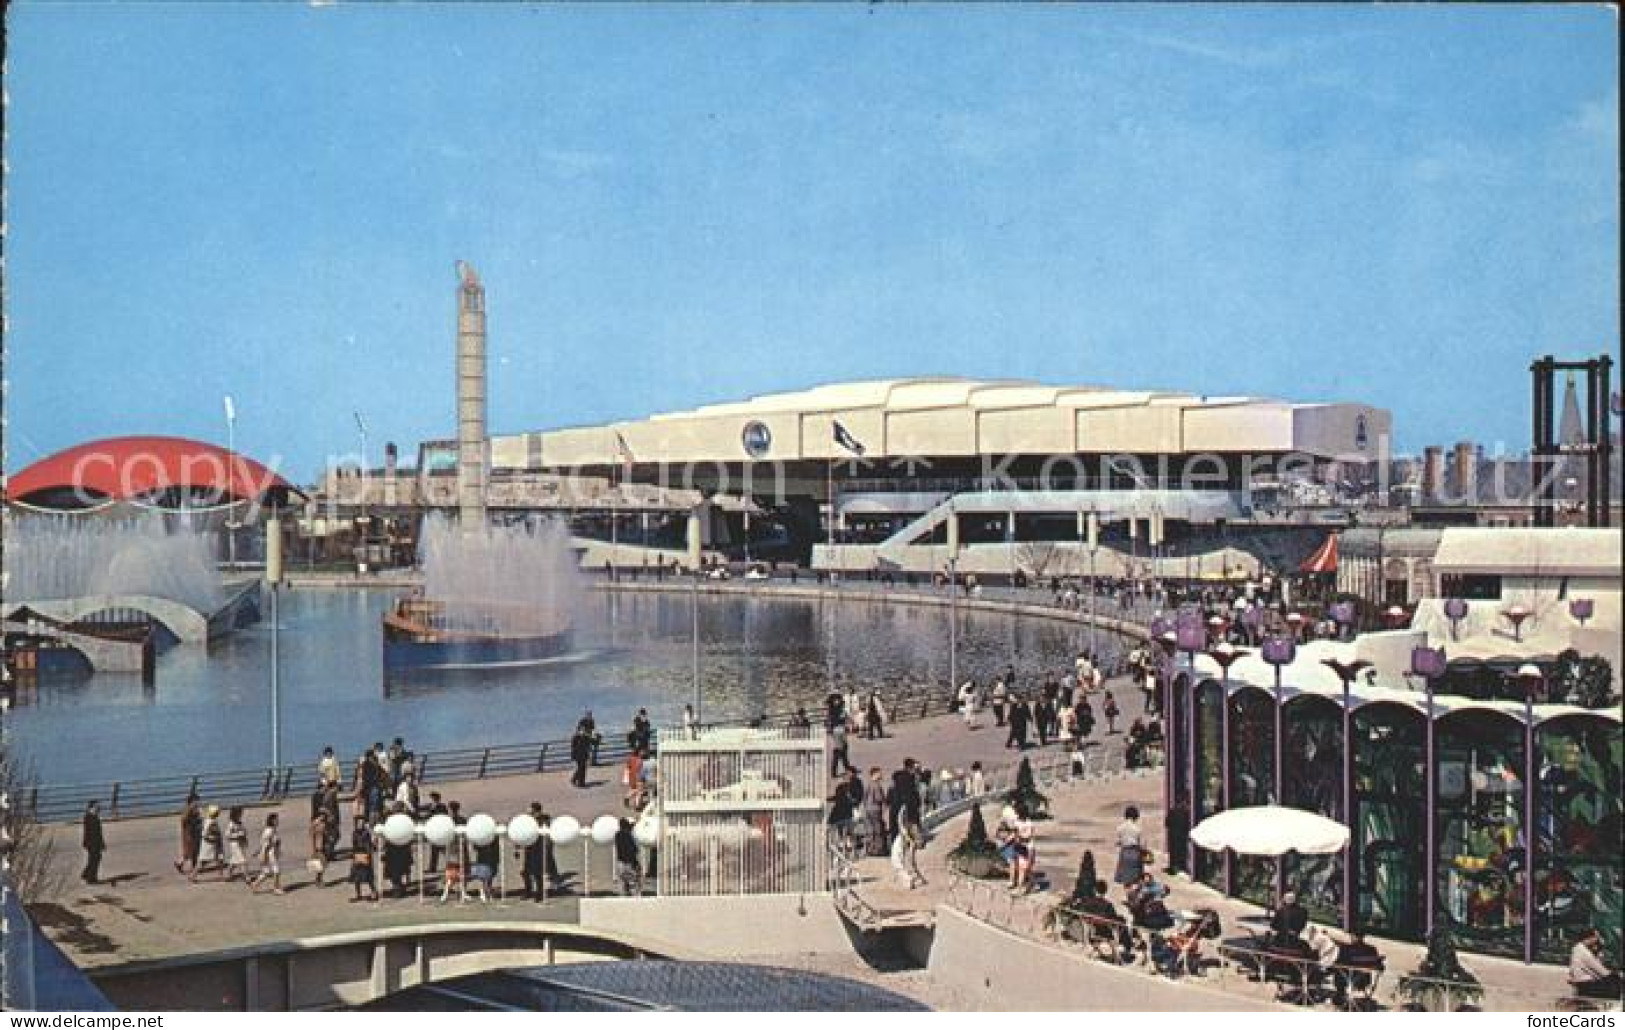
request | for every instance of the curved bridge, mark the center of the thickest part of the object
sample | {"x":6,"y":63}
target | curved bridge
{"x":188,"y":625}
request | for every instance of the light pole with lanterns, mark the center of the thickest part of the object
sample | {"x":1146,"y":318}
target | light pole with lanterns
{"x":273,"y":578}
{"x":1346,"y":672}
{"x":1225,"y":654}
{"x":1530,"y":680}
{"x":1279,"y":652}
{"x":1190,"y":636}
{"x":1429,"y":663}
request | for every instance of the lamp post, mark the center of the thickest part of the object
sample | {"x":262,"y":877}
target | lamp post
{"x":1531,"y":680}
{"x":1226,"y":654}
{"x":273,"y":577}
{"x":1455,"y":609}
{"x":1346,"y":671}
{"x":952,"y":537}
{"x":361,"y":426}
{"x":1190,"y":636}
{"x":231,"y":478}
{"x":1516,"y":615}
{"x":1279,"y":652}
{"x":1161,"y":628}
{"x":694,"y":641}
{"x":1429,"y":663}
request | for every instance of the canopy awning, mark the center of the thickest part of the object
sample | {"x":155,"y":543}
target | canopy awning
{"x":1323,"y":560}
{"x":1270,"y":830}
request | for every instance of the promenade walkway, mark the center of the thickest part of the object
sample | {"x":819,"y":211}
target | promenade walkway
{"x":143,"y":909}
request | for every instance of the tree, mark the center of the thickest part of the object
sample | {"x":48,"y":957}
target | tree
{"x":976,"y":855}
{"x":1025,"y":792}
{"x":27,"y":848}
{"x":1084,"y":888}
{"x":1441,"y":982}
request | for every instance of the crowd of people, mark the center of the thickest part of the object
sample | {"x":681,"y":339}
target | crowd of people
{"x":383,"y":783}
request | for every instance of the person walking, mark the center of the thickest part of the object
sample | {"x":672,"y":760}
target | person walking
{"x":270,"y":857}
{"x":875,"y":724}
{"x":628,"y":862}
{"x":581,"y":755}
{"x":191,"y":835}
{"x":1019,"y":717}
{"x":236,"y":845}
{"x":904,"y":855}
{"x":532,"y":859}
{"x":211,"y":847}
{"x":362,"y":873}
{"x":1130,"y":853}
{"x":1000,"y":698}
{"x":840,"y":759}
{"x":874,"y":813}
{"x":967,"y":703}
{"x":1108,"y":708}
{"x":437,"y":852}
{"x":397,"y":866}
{"x":94,"y":843}
{"x":327,"y":768}
{"x":317,"y":863}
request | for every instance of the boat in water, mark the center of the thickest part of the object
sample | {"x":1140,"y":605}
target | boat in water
{"x":421,"y":633}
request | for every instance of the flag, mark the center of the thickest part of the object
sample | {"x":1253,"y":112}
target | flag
{"x":847,"y":440}
{"x":231,"y":409}
{"x":622,"y":451}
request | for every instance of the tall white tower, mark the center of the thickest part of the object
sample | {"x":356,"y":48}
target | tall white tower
{"x":471,"y":440}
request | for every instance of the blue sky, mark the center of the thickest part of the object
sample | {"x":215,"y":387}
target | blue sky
{"x":672,"y":205}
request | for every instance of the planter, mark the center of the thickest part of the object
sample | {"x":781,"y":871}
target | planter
{"x":980,"y":866}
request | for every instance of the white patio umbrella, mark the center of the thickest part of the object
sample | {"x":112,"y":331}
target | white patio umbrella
{"x":1270,"y":830}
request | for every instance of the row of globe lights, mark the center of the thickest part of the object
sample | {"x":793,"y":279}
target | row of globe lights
{"x":440,"y":830}
{"x":523,"y":830}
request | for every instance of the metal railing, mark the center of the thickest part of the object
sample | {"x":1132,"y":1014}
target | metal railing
{"x":136,"y":798}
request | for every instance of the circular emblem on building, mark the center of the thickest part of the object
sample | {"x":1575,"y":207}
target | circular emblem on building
{"x":1361,"y":440}
{"x":757,"y":438}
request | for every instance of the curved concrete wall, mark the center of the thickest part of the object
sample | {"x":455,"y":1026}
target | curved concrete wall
{"x":352,"y":969}
{"x":1005,"y":971}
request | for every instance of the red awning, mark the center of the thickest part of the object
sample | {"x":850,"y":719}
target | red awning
{"x":1323,"y":560}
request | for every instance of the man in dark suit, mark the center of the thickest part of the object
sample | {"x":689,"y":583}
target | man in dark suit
{"x":1290,"y":919}
{"x":93,"y":842}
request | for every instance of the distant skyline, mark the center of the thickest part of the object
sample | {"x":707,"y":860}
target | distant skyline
{"x":673,"y":205}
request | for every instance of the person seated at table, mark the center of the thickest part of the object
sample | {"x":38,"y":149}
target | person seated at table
{"x":1291,"y":962}
{"x":1105,"y":922}
{"x":1356,"y":961}
{"x":1180,"y":951}
{"x":1146,"y":905}
{"x":1588,"y":973}
{"x":1289,"y":920}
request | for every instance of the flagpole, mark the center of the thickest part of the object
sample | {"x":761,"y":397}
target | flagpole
{"x":231,"y":478}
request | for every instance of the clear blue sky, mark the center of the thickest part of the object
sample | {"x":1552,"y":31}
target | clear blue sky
{"x":675,"y":204}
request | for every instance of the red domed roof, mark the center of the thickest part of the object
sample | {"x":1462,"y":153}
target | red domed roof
{"x":125,"y":467}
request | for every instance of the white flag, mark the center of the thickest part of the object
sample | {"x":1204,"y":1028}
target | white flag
{"x":231,"y":409}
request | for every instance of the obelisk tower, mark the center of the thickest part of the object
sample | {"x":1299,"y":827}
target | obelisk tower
{"x":471,"y":441}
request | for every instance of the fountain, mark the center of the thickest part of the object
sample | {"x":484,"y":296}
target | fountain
{"x":60,"y":557}
{"x":495,"y":596}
